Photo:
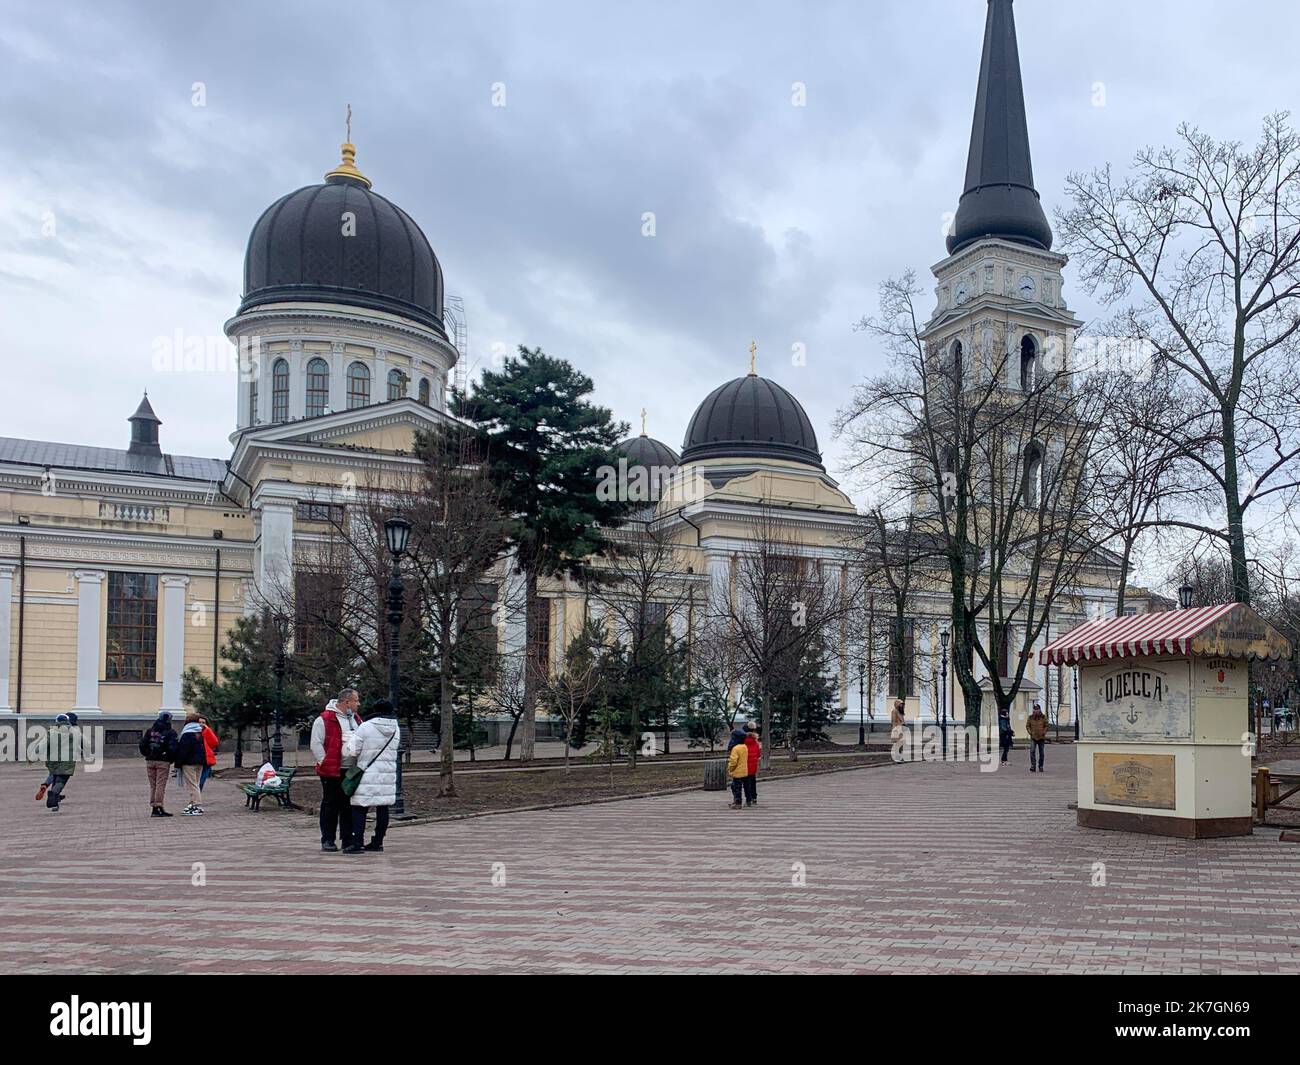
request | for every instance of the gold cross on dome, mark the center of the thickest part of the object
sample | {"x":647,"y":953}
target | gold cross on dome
{"x":349,"y":124}
{"x":643,"y":421}
{"x":753,"y":347}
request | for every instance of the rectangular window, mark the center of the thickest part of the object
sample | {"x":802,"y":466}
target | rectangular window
{"x":318,"y":610}
{"x":132,"y":627}
{"x":540,"y":650}
{"x":252,"y":402}
{"x":902,"y":658}
{"x":330,"y":512}
{"x":1002,"y":649}
{"x":476,"y":645}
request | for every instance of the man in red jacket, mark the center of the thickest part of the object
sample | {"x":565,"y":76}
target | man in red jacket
{"x":754,"y":750}
{"x":329,"y":732}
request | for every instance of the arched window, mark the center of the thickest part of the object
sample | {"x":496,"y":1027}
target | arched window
{"x":1028,"y":363}
{"x":396,"y":384}
{"x":318,"y":387}
{"x":358,"y":385}
{"x":1032,"y":486}
{"x":280,"y":391}
{"x":424,"y":391}
{"x":252,"y":401}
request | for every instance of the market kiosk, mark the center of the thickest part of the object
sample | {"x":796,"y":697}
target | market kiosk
{"x":1165,"y":739}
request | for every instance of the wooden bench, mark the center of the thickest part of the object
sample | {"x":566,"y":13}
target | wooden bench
{"x":255,"y":793}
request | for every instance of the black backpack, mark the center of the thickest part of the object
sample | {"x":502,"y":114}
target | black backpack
{"x":154,"y":746}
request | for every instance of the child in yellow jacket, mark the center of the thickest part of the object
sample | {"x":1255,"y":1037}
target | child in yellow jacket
{"x":737,"y":766}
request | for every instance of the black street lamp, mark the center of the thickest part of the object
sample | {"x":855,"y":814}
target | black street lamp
{"x":277,"y":742}
{"x":1076,"y":704}
{"x":397,"y":531}
{"x":862,"y":708}
{"x":1185,"y":594}
{"x":943,"y":698}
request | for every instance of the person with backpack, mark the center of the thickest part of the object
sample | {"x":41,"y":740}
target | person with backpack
{"x":158,"y":745}
{"x":191,"y":757}
{"x":374,"y":777}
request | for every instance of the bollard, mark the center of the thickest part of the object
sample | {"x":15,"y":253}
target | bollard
{"x":1261,"y":794}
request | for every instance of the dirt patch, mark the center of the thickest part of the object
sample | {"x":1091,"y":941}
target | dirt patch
{"x":495,"y":792}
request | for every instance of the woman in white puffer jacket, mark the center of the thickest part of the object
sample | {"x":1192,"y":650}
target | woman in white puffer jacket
{"x":374,"y":745}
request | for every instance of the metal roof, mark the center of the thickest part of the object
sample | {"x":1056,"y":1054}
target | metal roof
{"x":108,"y":460}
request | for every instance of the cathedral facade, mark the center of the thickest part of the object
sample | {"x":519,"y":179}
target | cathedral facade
{"x":122,"y":568}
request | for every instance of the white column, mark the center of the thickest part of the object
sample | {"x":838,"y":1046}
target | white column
{"x":379,"y":386}
{"x":6,"y":634}
{"x":275,"y":573}
{"x":297,"y":381}
{"x":90,"y":592}
{"x":338,"y":378}
{"x":173,"y":638}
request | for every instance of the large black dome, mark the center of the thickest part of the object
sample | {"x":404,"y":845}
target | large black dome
{"x":751,"y":417}
{"x":298,"y":252}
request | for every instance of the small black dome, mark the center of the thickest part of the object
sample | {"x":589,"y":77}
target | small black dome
{"x":298,"y":252}
{"x":647,"y":451}
{"x":751,"y":417}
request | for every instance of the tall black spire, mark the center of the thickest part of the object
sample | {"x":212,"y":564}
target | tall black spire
{"x":999,"y":199}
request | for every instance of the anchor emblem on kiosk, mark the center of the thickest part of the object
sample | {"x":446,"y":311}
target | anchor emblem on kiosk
{"x":1132,"y":715}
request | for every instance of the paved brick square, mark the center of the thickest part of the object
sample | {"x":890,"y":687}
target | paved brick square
{"x":916,"y":868}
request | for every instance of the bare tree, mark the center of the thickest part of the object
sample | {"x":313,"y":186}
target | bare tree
{"x":997,"y":466}
{"x":572,"y":689}
{"x":646,"y":603}
{"x":774,"y":602}
{"x":1200,"y":245}
{"x":457,"y":535}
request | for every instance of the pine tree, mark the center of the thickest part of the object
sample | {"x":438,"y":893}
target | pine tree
{"x":546,"y":445}
{"x":244,"y":695}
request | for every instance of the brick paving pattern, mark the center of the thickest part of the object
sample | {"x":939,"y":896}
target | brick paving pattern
{"x":918,"y":868}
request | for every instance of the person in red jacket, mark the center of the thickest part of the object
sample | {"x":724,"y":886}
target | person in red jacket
{"x":753,"y":749}
{"x":211,"y":741}
{"x":329,"y":734}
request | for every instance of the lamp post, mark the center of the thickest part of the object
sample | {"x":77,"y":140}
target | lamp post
{"x":1076,"y":704}
{"x":1185,"y":594}
{"x":277,"y":742}
{"x":943,"y":698}
{"x":862,"y":707}
{"x":397,"y":532}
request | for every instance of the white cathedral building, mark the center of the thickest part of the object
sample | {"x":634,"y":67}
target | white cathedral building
{"x":122,"y":568}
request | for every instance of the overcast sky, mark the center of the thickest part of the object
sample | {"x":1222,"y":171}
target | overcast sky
{"x":125,"y":208}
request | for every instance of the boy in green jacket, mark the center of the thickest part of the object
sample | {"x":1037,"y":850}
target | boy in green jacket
{"x":61,"y":753}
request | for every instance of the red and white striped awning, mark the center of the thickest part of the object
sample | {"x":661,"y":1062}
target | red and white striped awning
{"x":1168,"y":632}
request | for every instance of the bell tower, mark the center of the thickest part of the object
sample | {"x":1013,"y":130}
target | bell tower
{"x":999,"y":300}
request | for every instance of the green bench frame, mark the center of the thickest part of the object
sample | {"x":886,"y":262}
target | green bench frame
{"x":255,"y":793}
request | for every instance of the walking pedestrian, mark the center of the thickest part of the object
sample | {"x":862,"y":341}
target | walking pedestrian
{"x":897,"y":720}
{"x":211,"y":741}
{"x":1005,"y":736}
{"x":329,"y":731}
{"x":62,"y":750}
{"x":191,"y":757}
{"x":1036,"y":724}
{"x":374,"y":746}
{"x":158,"y":745}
